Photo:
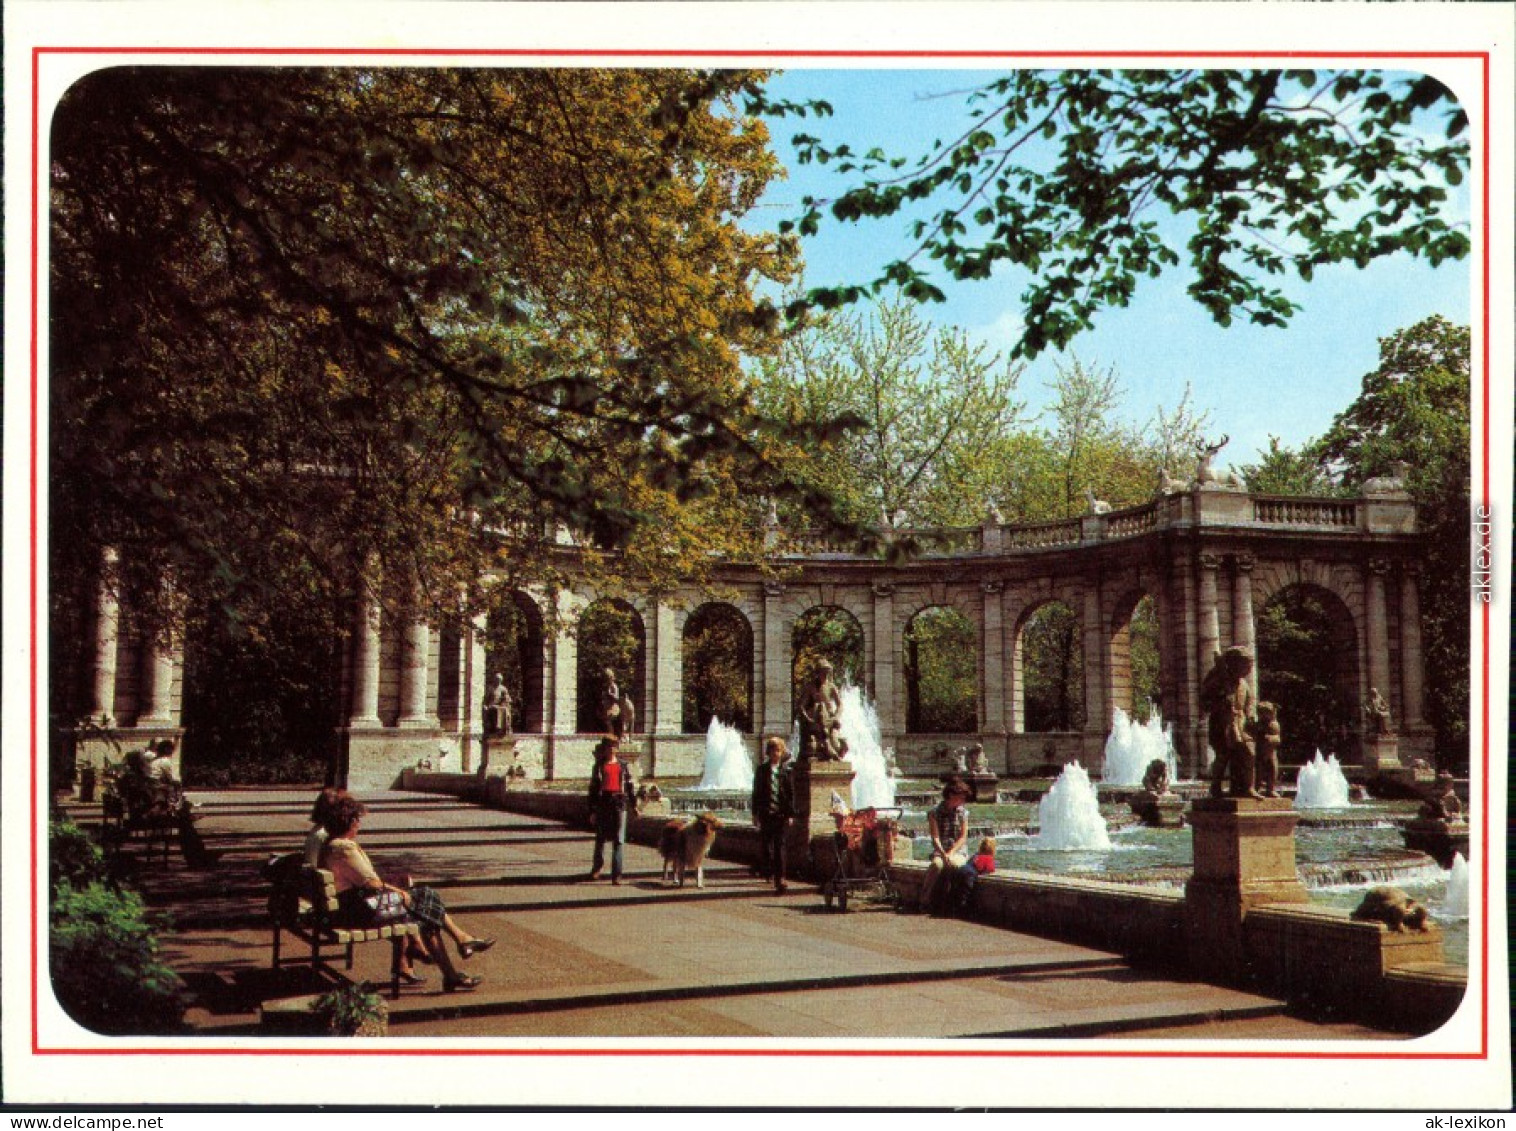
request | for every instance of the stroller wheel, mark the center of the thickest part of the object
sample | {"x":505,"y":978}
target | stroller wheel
{"x":842,"y":900}
{"x":826,"y":894}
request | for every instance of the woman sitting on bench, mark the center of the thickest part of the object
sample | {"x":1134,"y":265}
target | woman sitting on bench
{"x":366,"y":900}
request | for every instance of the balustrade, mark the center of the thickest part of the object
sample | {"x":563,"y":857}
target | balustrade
{"x":1284,"y":511}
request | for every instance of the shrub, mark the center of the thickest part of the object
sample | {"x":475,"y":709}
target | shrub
{"x":74,"y":859}
{"x":352,"y":1011}
{"x":106,"y":969}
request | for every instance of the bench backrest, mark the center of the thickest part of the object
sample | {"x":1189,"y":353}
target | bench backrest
{"x":300,"y":888}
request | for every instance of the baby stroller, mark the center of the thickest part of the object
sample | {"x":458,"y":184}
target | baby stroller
{"x":864,"y":848}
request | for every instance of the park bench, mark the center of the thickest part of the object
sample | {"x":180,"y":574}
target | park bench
{"x":304,"y":903}
{"x":121,"y":822}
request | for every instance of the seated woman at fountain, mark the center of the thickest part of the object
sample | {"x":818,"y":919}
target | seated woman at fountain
{"x":948,"y":824}
{"x":982,"y":863}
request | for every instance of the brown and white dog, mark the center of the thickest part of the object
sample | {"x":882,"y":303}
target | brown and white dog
{"x":684,"y":847}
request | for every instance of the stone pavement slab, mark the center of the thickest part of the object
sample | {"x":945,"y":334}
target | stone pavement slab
{"x":581,"y":959}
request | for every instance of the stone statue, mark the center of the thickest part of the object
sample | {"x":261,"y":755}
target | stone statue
{"x":617,"y":714}
{"x":992,"y":515}
{"x":960,"y":762}
{"x":978,"y":763}
{"x":1097,"y":506}
{"x":1442,"y":802}
{"x":1168,"y":485}
{"x":1156,"y":778}
{"x":819,"y":715}
{"x":497,"y":708}
{"x":1393,"y":908}
{"x":1377,"y":711}
{"x":1266,"y":738}
{"x":1205,"y":456}
{"x":1227,"y":699}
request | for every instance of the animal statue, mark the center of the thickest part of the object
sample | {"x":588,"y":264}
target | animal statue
{"x":1205,"y":456}
{"x":1393,"y":908}
{"x":1168,"y":485}
{"x":1156,"y":778}
{"x":1097,"y":506}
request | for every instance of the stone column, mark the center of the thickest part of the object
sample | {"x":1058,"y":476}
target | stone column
{"x":563,"y":702}
{"x":885,"y":659}
{"x":363,"y":710}
{"x":1377,"y":640}
{"x":156,"y":696}
{"x":1209,"y":627}
{"x":1097,"y":679}
{"x":992,"y":717}
{"x":776,"y":665}
{"x":102,"y":707}
{"x":1242,"y":612}
{"x":665,"y":693}
{"x":472,"y":690}
{"x":414,"y":674}
{"x":1411,"y":658}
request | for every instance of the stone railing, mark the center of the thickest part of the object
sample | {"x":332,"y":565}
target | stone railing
{"x":1284,"y":510}
{"x":945,"y":539}
{"x":1132,"y":521}
{"x":1036,"y":536}
{"x":1221,"y":508}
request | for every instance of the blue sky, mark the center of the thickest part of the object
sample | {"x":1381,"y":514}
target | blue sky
{"x":1255,"y":381}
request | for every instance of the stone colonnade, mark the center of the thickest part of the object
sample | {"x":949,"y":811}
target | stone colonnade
{"x":1209,"y":559}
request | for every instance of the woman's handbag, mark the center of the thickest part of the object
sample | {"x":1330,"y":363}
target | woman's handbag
{"x":385,"y":906}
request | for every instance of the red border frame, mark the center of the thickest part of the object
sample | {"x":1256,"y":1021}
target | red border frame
{"x":611,"y":53}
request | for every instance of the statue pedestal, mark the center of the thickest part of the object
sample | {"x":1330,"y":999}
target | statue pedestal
{"x":1381,"y":753}
{"x":1439,"y":839}
{"x":984,"y":787}
{"x":497,"y":752}
{"x":815,"y":782}
{"x":1158,"y":810}
{"x":1244,"y":858}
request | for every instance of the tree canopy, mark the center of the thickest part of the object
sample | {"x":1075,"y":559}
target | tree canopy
{"x":1412,"y":416}
{"x":304,"y":321}
{"x":1078,"y":176}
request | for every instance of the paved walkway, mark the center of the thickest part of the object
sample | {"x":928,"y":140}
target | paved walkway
{"x":580,"y":959}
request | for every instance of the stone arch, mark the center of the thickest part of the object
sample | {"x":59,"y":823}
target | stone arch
{"x":610,"y":634}
{"x":940,"y":665}
{"x":717,"y":650}
{"x":1048,"y":659}
{"x":1309,"y":664}
{"x":831,"y":632}
{"x":516,"y":646}
{"x":1133,"y":656}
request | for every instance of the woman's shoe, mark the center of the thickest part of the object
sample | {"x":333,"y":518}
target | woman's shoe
{"x":463,"y":983}
{"x":474,"y":946}
{"x":410,"y":978}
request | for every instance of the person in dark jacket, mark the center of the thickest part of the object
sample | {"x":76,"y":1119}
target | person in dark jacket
{"x":773,"y":809}
{"x":613,"y":794}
